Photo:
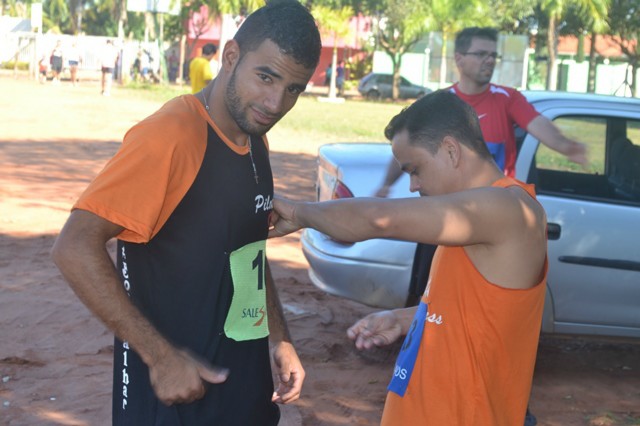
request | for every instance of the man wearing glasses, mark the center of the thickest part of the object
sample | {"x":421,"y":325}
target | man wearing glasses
{"x":499,"y":108}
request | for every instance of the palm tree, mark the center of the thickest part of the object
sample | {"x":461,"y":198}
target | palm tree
{"x":333,"y":23}
{"x":555,"y":11}
{"x":624,"y":18}
{"x":451,"y":16}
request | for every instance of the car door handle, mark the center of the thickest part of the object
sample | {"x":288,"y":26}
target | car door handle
{"x":553,"y":231}
{"x":627,"y":265}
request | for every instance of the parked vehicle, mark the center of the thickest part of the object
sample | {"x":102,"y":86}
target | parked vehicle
{"x":376,"y":86}
{"x":593,"y":219}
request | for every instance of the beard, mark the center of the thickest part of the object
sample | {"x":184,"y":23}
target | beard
{"x":237,"y":111}
{"x":484,"y":76}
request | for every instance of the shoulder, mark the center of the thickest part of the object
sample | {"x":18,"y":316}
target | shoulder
{"x":498,"y":90}
{"x":511,"y":202}
{"x":176,"y":123}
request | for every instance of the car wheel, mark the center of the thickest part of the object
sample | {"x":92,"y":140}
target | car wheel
{"x":373,"y":95}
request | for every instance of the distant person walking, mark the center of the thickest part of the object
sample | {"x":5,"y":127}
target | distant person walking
{"x":108,"y":61}
{"x":327,"y":76}
{"x":200,"y":73}
{"x":56,"y":62}
{"x":340,"y":78}
{"x":75,"y":59}
{"x":43,"y":66}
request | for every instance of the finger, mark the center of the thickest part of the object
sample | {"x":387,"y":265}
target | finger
{"x":362,"y":342}
{"x":273,"y":218}
{"x":380,"y":341}
{"x":212,"y":374}
{"x":290,"y":390}
{"x":356,"y":329}
{"x":275,"y":233}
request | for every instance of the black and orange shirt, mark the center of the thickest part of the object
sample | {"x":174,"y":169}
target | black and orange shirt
{"x":192,"y":212}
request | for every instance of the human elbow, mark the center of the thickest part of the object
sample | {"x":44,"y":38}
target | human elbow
{"x":381,"y":226}
{"x":60,"y":252}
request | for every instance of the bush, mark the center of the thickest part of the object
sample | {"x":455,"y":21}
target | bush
{"x":9,"y":65}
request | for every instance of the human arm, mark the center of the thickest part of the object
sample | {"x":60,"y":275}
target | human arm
{"x":462,"y":218}
{"x":288,"y":366}
{"x":81,"y":255}
{"x":393,"y":173}
{"x":381,"y":328}
{"x":548,"y":134}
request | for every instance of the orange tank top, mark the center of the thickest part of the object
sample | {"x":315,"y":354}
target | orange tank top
{"x":475,"y":359}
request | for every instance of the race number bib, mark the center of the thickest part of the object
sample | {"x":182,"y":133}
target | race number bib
{"x":247,"y":317}
{"x":408,"y":353}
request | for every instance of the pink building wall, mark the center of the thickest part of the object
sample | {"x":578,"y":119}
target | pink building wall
{"x":347,"y":49}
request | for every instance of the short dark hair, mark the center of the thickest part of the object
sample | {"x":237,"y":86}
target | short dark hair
{"x":436,"y":115}
{"x":464,"y":37}
{"x":289,"y":25}
{"x":209,"y":49}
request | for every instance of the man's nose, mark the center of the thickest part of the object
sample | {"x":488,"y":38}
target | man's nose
{"x":414,"y":185}
{"x":274,"y":101}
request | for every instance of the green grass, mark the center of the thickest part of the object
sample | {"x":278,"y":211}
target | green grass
{"x":590,"y":131}
{"x":153,"y":92}
{"x":352,"y":121}
{"x":364,"y":121}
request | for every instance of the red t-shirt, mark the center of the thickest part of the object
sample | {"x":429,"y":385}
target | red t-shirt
{"x":499,"y":108}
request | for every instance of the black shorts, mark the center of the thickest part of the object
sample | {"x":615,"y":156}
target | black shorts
{"x":107,"y":70}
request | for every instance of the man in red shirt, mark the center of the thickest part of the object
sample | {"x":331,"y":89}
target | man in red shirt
{"x":498,"y":107}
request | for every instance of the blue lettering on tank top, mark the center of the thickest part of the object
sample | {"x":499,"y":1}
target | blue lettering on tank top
{"x":498,"y":151}
{"x":408,"y":353}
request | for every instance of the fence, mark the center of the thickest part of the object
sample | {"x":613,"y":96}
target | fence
{"x":29,"y":48}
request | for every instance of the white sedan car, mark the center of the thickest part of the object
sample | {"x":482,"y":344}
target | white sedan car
{"x":593,"y":216}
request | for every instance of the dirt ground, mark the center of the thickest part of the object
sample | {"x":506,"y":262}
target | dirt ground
{"x":55,"y":358}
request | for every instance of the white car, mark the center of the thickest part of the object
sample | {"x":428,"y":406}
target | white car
{"x":593,"y":220}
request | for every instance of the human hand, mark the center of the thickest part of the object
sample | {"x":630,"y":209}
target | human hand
{"x":179,"y":378}
{"x":282,"y":221}
{"x":290,"y":373}
{"x":377,"y":329}
{"x":577,"y":153}
{"x":383,"y":191}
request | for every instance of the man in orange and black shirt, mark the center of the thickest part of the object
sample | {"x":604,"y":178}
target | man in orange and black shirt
{"x":188,"y":196}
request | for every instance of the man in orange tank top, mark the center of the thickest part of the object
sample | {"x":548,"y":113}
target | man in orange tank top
{"x":470,"y":345}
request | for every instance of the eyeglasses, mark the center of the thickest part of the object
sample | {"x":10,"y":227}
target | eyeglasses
{"x":483,"y":55}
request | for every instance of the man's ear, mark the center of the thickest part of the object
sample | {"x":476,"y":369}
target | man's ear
{"x":230,"y":55}
{"x":452,"y":149}
{"x":457,"y":57}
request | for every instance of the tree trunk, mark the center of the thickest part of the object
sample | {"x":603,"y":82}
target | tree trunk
{"x":591,"y":79}
{"x":397,"y":61}
{"x":334,"y":67}
{"x":552,"y":70}
{"x":122,"y":18}
{"x":443,"y":62}
{"x":183,"y":41}
{"x":580,"y":52}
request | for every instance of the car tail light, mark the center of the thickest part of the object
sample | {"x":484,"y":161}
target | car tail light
{"x":341,"y":191}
